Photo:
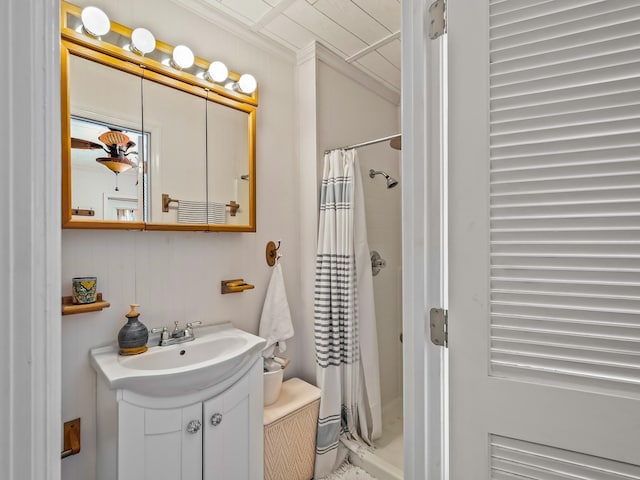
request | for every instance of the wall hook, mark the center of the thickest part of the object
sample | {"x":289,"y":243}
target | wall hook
{"x":271,"y":253}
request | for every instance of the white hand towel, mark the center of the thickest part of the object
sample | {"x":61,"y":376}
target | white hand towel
{"x":275,"y":322}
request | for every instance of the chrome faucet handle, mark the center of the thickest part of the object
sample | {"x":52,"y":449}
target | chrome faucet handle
{"x":164,"y":335}
{"x":177,"y":331}
{"x":188,"y":331}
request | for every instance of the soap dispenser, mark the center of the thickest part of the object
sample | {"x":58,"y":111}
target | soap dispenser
{"x":132,"y":338}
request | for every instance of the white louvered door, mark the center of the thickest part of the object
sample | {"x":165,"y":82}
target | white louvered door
{"x":544,"y":239}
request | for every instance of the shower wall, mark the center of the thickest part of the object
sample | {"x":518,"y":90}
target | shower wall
{"x":384,"y":235}
{"x":348,"y":112}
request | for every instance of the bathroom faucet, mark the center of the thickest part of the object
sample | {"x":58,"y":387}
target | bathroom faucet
{"x":177,"y":335}
{"x":177,"y":331}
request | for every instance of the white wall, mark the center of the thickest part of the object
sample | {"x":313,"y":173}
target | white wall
{"x":384,"y":234}
{"x":91,"y":183}
{"x":347,"y":113}
{"x":176,"y":275}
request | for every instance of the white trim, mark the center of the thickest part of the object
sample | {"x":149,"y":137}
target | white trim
{"x":352,"y":71}
{"x":308,"y":186}
{"x":30,"y":241}
{"x":307,"y":53}
{"x":272,"y":14}
{"x":238,"y":28}
{"x":374,"y":46}
{"x":422,"y":244}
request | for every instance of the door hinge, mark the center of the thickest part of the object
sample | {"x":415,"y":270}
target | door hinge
{"x":439,"y":326}
{"x":437,"y":19}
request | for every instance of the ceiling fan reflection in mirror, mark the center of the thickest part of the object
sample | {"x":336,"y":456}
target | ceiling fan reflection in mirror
{"x":117,"y":144}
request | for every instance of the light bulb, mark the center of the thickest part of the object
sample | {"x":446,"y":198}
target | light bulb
{"x":142,"y":41}
{"x":247,"y":83}
{"x":217,"y":72}
{"x":182,"y":57}
{"x":95,"y":22}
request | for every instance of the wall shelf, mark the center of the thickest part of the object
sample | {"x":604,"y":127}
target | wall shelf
{"x":69,"y":308}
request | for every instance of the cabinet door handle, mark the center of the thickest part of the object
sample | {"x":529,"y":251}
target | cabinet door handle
{"x":194,"y":426}
{"x":216,"y":419}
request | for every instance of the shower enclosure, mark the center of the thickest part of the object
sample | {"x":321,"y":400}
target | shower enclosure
{"x":384,"y":228}
{"x":348,"y":112}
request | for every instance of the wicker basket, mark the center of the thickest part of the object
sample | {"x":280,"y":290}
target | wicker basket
{"x":290,"y":432}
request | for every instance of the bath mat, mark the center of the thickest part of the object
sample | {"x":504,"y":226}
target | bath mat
{"x":349,"y":472}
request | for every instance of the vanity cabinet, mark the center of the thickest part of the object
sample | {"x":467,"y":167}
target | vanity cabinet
{"x":228,"y":436}
{"x":213,"y":434}
{"x":157,"y":443}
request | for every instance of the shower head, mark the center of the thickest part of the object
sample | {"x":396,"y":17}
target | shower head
{"x":391,"y":182}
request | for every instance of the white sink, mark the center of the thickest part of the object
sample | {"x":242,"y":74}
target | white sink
{"x":216,"y":354}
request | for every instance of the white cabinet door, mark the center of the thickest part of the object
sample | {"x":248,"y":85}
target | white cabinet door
{"x":160,"y":444}
{"x":233,"y":443}
{"x":544,"y":304}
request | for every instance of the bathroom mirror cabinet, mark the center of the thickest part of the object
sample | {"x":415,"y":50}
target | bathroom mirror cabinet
{"x":149,"y":146}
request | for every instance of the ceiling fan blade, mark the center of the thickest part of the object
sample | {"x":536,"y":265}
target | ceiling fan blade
{"x":114,"y":138}
{"x":84,"y":144}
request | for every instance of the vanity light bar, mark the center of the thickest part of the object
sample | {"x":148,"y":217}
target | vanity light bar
{"x":96,"y":23}
{"x":217,"y":72}
{"x":142,"y":41}
{"x":246,"y":84}
{"x":182,"y":57}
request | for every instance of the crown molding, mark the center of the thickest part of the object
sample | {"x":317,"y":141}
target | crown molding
{"x":307,"y":53}
{"x":354,"y":72}
{"x":237,"y":28}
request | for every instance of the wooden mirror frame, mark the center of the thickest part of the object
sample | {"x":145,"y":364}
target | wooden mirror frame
{"x":75,"y":43}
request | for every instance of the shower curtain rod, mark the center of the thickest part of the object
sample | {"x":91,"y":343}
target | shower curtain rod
{"x":364,"y":144}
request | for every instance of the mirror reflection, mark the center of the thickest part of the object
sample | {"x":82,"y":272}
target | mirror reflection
{"x":144,"y":148}
{"x":175,"y":121}
{"x":107,"y":174}
{"x":228,"y":154}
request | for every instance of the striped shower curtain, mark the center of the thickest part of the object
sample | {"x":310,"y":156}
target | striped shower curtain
{"x":345,"y":323}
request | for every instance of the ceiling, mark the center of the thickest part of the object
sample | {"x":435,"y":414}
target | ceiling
{"x":365,"y":33}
